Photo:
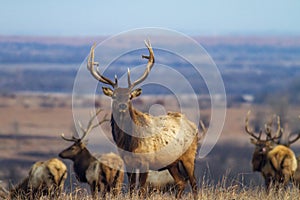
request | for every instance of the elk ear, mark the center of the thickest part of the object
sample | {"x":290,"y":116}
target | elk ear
{"x":253,"y":141}
{"x":107,"y":91}
{"x":135,"y":93}
{"x":84,"y":143}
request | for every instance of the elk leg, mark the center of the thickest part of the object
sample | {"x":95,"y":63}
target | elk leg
{"x":102,"y":188}
{"x":142,"y":182}
{"x":132,"y":181}
{"x":188,"y":163}
{"x":94,"y":189}
{"x":179,"y":179}
{"x":189,"y":168}
{"x":268,"y":182}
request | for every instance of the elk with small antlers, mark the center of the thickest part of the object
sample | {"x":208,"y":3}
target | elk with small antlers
{"x":89,"y":169}
{"x":277,"y":163}
{"x":149,"y":142}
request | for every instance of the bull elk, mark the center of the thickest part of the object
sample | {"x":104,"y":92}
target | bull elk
{"x":44,"y":178}
{"x":148,"y":142}
{"x":277,"y":163}
{"x":291,"y":138}
{"x":88,"y":168}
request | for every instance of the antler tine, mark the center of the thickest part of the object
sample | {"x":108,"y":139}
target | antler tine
{"x":203,"y":126}
{"x":81,"y":127}
{"x":90,"y":125}
{"x":268,"y":131}
{"x":295,"y":139}
{"x":279,"y":131}
{"x":268,"y":126}
{"x":73,"y":139}
{"x":95,"y":72}
{"x":248,"y":129}
{"x":128,"y":77}
{"x":105,"y":119}
{"x":150,"y":64}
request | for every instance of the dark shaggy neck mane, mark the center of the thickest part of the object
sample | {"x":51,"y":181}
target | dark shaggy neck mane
{"x":81,"y":164}
{"x":124,"y":140}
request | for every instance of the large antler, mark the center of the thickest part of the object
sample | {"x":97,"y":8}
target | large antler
{"x":89,"y":128}
{"x":250,"y":132}
{"x":95,"y":72}
{"x":268,"y":130}
{"x":150,"y":64}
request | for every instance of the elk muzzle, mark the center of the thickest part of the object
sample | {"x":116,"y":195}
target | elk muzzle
{"x":122,"y":107}
{"x":62,"y":154}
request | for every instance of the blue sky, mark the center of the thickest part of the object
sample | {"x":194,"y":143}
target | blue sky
{"x":97,"y":17}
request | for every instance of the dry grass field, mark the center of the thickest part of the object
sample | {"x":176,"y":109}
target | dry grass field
{"x":31,"y":125}
{"x":206,"y":193}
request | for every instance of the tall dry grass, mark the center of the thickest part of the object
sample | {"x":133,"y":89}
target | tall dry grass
{"x":206,"y":192}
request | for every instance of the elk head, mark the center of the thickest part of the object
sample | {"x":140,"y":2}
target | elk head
{"x":262,"y":146}
{"x":78,"y":145}
{"x":121,"y":97}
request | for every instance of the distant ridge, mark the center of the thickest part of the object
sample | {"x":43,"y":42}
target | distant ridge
{"x":206,"y":40}
{"x":76,"y":41}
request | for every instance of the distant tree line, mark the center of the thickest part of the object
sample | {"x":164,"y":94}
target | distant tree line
{"x":14,"y":52}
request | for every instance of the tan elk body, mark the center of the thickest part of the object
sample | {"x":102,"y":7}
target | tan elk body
{"x":44,"y":178}
{"x":149,"y":142}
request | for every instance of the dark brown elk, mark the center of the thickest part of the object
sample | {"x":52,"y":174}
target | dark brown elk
{"x":88,"y":168}
{"x":149,"y":142}
{"x":44,"y":178}
{"x":277,"y":163}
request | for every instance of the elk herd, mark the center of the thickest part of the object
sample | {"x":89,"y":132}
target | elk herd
{"x":154,"y":151}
